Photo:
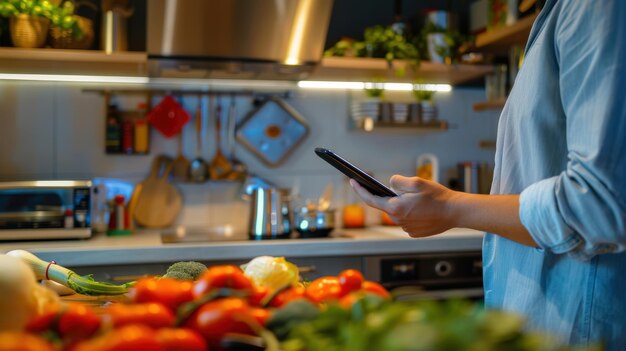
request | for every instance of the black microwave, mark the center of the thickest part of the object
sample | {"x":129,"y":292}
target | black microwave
{"x":45,"y":209}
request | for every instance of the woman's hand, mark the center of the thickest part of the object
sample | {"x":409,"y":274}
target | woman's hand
{"x":422,"y":207}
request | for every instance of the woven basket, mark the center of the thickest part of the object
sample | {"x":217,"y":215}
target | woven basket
{"x":28,"y":31}
{"x":65,"y":39}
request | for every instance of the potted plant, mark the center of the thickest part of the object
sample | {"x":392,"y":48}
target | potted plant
{"x":424,"y":108}
{"x":29,"y":20}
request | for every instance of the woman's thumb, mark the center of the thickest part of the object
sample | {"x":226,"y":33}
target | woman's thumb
{"x":405,"y":184}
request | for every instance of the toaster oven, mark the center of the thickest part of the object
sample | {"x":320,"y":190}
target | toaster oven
{"x":50,"y":209}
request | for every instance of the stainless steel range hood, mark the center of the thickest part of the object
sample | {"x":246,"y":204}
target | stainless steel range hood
{"x":236,"y":39}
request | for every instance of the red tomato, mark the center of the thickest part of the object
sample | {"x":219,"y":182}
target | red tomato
{"x":218,"y":317}
{"x":375,"y":288}
{"x":260,"y":315}
{"x":151,"y":314}
{"x":21,"y":341}
{"x":78,"y":322}
{"x":347,"y":301}
{"x":126,"y":338}
{"x":324,"y":289}
{"x":287,"y":295}
{"x":350,"y":280}
{"x":216,"y":277}
{"x":258,"y":295}
{"x":179,"y":339}
{"x":42,"y":322}
{"x":167,"y":291}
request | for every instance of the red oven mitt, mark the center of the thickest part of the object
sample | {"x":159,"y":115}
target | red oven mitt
{"x":168,"y":117}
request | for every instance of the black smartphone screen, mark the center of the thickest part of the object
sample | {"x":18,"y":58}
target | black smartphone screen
{"x":351,"y":171}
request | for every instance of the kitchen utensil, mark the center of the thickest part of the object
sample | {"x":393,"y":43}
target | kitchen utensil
{"x":272,"y":131}
{"x":181,"y":163}
{"x":314,"y":223}
{"x":219,"y":167}
{"x":324,"y":202}
{"x":239,"y":169}
{"x":270,"y":214}
{"x":159,"y":202}
{"x":198,"y":167}
{"x":168,"y":117}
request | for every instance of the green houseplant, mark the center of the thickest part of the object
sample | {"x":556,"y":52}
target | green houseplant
{"x":29,"y":20}
{"x":426,"y":108}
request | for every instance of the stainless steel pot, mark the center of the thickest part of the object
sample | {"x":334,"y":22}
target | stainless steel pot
{"x":314,"y":223}
{"x":270,"y":214}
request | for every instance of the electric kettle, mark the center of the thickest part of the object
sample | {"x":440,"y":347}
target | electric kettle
{"x":270,"y":214}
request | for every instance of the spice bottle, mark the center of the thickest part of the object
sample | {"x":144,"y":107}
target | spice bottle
{"x":113,"y":131}
{"x":142,"y":131}
{"x":127,"y":136}
{"x":141,"y":136}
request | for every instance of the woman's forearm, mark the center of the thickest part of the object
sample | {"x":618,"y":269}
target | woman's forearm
{"x":498,"y":214}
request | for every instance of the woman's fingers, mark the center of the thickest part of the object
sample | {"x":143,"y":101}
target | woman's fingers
{"x":371,"y":200}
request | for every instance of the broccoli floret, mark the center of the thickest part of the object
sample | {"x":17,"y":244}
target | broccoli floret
{"x":187,"y":270}
{"x":178,"y":275}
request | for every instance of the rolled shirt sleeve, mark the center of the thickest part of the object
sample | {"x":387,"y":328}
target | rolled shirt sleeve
{"x":583,"y":210}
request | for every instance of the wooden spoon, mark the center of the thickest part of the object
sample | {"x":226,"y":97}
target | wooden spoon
{"x":239,"y":169}
{"x":219,"y":167}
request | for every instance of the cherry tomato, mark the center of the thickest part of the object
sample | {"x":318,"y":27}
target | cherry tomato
{"x":167,"y":291}
{"x":179,"y":339}
{"x":216,"y":277}
{"x":375,"y":288}
{"x":324,"y":289}
{"x":21,"y":341}
{"x":126,"y":338}
{"x":287,"y":295}
{"x":78,"y":322}
{"x":216,"y":318}
{"x":350,"y":280}
{"x":150,"y":314}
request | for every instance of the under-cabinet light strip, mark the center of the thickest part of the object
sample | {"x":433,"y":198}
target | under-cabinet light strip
{"x":74,"y":78}
{"x":369,"y":85}
{"x":145,"y":80}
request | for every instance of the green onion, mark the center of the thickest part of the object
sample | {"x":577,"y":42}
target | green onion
{"x":85,"y":285}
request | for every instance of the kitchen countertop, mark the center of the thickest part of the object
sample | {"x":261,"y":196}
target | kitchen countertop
{"x":147,"y":247}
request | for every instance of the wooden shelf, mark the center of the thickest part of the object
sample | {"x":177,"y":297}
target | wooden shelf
{"x":80,"y":62}
{"x":369,"y":125}
{"x":92,"y":62}
{"x":501,"y":39}
{"x":489,"y":105}
{"x":373,"y":69}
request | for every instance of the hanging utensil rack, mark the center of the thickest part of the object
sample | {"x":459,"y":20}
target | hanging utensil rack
{"x":150,"y":93}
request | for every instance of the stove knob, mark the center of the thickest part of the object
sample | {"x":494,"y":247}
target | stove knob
{"x":443,"y":268}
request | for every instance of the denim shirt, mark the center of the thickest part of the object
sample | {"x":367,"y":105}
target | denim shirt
{"x":562,"y":146}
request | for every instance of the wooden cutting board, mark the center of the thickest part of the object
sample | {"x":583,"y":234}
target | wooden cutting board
{"x":158,"y":202}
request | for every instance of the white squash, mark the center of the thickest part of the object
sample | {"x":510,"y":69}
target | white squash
{"x":22,"y":298}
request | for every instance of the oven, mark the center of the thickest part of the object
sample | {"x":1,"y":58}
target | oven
{"x":434,"y":276}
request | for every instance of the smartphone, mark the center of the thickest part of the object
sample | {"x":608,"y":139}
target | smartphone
{"x":351,"y":171}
